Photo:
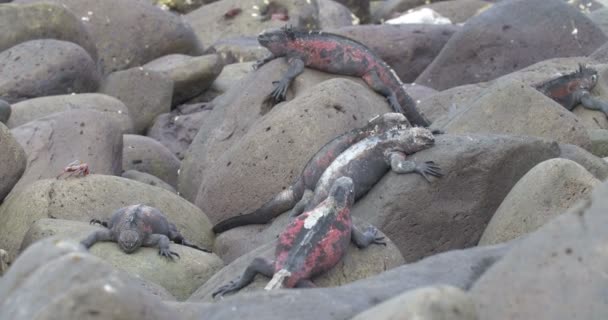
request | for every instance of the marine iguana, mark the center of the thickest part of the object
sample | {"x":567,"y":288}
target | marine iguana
{"x":340,"y":55}
{"x":312,"y":171}
{"x":139,"y":225}
{"x":311,"y":244}
{"x":365,"y":162}
{"x":573,"y":89}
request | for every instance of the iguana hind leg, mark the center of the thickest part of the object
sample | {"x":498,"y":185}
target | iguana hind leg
{"x":258,"y":265}
{"x":373,"y":81}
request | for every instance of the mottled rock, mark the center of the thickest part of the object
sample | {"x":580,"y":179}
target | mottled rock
{"x":147,"y":178}
{"x":424,"y":218}
{"x":243,"y":105}
{"x":34,"y":109}
{"x":191,"y":75}
{"x":56,"y":279}
{"x":230,"y":75}
{"x":45,"y":67}
{"x":533,"y":279}
{"x":244,"y":172}
{"x":12,"y":159}
{"x":513,"y":108}
{"x":546,"y":191}
{"x":356,"y":264}
{"x":180,"y":278}
{"x":592,"y":163}
{"x":457,"y":268}
{"x":427,"y":303}
{"x":510,"y":36}
{"x":181,"y":6}
{"x":53,"y":142}
{"x":600,"y":18}
{"x":145,"y":93}
{"x":20,"y":23}
{"x":359,"y":8}
{"x":210,"y":23}
{"x":393,"y":8}
{"x":407,"y":48}
{"x":94,"y":196}
{"x":177,"y":129}
{"x":129,"y":34}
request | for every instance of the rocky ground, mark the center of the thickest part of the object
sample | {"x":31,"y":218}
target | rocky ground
{"x":159,"y":99}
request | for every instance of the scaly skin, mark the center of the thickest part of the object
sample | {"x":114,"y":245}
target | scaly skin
{"x":139,"y":225}
{"x":573,"y":89}
{"x":312,"y":244}
{"x":313,"y":170}
{"x":365,"y":161}
{"x":340,"y":55}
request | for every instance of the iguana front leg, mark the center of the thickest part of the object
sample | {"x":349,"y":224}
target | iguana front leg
{"x":263,"y":61}
{"x":99,"y":235}
{"x":296,"y":66}
{"x":258,"y":265}
{"x":398,"y":164}
{"x":162,"y":241}
{"x":301,"y":205}
{"x":589,"y":102}
{"x":364,"y":239}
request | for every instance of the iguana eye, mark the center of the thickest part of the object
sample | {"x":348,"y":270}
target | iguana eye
{"x":594,"y":77}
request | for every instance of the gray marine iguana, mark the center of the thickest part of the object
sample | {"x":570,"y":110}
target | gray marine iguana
{"x":312,"y":244}
{"x":312,"y":171}
{"x":139,"y":225}
{"x":339,"y":55}
{"x":572,"y":89}
{"x":365,"y":162}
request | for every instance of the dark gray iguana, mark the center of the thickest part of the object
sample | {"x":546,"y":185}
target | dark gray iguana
{"x":339,"y":55}
{"x":139,"y":225}
{"x":572,"y":89}
{"x":365,"y":162}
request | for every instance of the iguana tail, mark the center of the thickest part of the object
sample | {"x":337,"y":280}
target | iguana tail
{"x":282,"y":202}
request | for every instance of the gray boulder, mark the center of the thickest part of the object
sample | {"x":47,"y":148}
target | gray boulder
{"x":145,"y":93}
{"x":510,"y":36}
{"x":45,"y":67}
{"x":593,"y":164}
{"x":191,"y":75}
{"x":12,"y":161}
{"x":147,"y":179}
{"x":147,"y":155}
{"x":546,"y":191}
{"x":53,"y":142}
{"x":532,"y":279}
{"x":129,"y":34}
{"x":57,"y":279}
{"x":34,"y":109}
{"x":23,"y":22}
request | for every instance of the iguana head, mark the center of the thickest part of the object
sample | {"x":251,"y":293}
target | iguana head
{"x":129,"y":240}
{"x":413,"y":139}
{"x":276,"y":40}
{"x":587,"y":76}
{"x":343,"y":192}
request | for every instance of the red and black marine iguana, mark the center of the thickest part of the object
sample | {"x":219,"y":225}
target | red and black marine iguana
{"x":312,"y":244}
{"x":364,"y":155}
{"x":340,"y":55}
{"x":572,"y":89}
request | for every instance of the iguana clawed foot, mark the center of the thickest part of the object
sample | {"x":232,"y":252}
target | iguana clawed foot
{"x":99,"y":222}
{"x":428,"y":168}
{"x":165,"y":252}
{"x":280,"y":90}
{"x":372,"y":233}
{"x":227,"y":288}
